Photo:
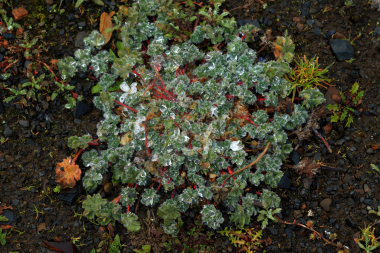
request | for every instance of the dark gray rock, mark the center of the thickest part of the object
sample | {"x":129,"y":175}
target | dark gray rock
{"x":69,"y":196}
{"x":8,"y":131}
{"x":325,"y":204}
{"x":254,"y":22}
{"x":24,"y":123}
{"x":285,"y":182}
{"x":78,"y":42}
{"x":81,"y":109}
{"x":377,"y":31}
{"x":10,"y":215}
{"x":342,"y":49}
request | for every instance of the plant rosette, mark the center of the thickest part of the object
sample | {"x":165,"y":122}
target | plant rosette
{"x":181,"y":116}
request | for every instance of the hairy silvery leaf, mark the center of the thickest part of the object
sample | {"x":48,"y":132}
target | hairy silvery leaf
{"x":150,"y":197}
{"x":75,"y":142}
{"x":312,"y":97}
{"x":128,"y":196}
{"x":95,"y":39}
{"x":130,"y":222}
{"x":211,"y":216}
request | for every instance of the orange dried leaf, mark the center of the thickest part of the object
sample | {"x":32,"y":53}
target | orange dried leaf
{"x":67,"y":173}
{"x":106,"y":24}
{"x":19,"y":13}
{"x":5,"y":227}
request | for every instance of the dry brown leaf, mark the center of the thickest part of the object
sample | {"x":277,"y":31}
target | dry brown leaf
{"x":307,"y":167}
{"x":105,"y":24}
{"x":67,"y":173}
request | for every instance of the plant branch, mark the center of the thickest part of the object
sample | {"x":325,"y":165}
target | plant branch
{"x":249,"y":165}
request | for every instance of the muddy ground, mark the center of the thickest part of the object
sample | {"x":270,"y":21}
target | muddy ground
{"x":34,"y":138}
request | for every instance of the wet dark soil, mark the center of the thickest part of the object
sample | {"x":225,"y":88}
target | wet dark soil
{"x":34,"y":139}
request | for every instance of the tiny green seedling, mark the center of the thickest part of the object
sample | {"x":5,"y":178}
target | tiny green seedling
{"x":3,"y":236}
{"x":344,"y":111}
{"x":375,"y":168}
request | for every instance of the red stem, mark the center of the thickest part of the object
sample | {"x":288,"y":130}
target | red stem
{"x":77,"y":155}
{"x":126,"y":106}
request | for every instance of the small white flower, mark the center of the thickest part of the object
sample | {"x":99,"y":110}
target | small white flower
{"x":214,"y":111}
{"x":129,"y":90}
{"x":236,"y":146}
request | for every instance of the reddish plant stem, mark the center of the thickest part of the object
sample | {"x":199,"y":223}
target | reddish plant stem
{"x":77,"y":155}
{"x":117,"y":199}
{"x":315,"y":232}
{"x":94,"y":142}
{"x":323,"y":139}
{"x":126,"y":106}
{"x":249,"y":165}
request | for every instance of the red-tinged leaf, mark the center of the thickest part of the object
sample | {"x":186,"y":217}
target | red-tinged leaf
{"x":5,"y":227}
{"x":64,"y":247}
{"x":67,"y":173}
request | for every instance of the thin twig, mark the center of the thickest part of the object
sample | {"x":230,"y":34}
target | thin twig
{"x":249,"y":165}
{"x":323,"y":139}
{"x":318,"y":234}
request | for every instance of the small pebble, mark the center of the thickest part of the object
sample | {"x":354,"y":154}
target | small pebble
{"x":366,"y":188}
{"x":325,"y":204}
{"x":24,"y":123}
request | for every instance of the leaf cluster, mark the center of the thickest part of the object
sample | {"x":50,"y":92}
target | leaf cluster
{"x":344,"y":111}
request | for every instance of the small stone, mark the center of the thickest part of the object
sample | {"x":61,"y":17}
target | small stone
{"x":24,"y":123}
{"x":41,"y":227}
{"x":254,"y":22}
{"x":81,"y":109}
{"x":342,"y":49}
{"x":377,"y":31}
{"x":78,"y":42}
{"x":325,"y":204}
{"x":366,"y":188}
{"x":19,"y":13}
{"x":333,"y":95}
{"x":8,"y":131}
{"x":296,"y":157}
{"x":285,"y":182}
{"x":370,"y":151}
{"x":69,"y":196}
{"x":49,"y":2}
{"x":317,"y":31}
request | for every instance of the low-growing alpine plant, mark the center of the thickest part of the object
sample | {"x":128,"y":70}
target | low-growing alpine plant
{"x":192,"y":121}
